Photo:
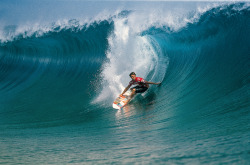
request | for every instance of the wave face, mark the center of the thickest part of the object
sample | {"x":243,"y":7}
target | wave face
{"x":57,"y":84}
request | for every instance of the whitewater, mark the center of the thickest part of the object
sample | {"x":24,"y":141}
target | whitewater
{"x":62,"y":63}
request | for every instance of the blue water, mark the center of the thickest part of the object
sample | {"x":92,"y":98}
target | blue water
{"x":63,"y":63}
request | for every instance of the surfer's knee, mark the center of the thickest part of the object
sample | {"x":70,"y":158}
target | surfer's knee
{"x":133,"y":90}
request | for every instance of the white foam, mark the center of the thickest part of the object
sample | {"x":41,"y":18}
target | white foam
{"x":138,"y":21}
{"x":39,"y":28}
{"x":127,"y":52}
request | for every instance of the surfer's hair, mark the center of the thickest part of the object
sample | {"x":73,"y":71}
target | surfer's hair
{"x":132,"y":73}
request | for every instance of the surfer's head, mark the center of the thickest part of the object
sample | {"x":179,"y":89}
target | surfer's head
{"x":132,"y":75}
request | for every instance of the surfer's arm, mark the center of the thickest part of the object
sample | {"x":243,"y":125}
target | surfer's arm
{"x":125,"y":90}
{"x":147,"y":82}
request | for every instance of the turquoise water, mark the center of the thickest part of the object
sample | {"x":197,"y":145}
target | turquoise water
{"x":60,"y":74}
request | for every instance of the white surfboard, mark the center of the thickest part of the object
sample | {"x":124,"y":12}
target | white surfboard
{"x":120,"y":102}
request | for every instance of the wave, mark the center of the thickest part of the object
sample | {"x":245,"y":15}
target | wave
{"x":201,"y":58}
{"x":208,"y":62}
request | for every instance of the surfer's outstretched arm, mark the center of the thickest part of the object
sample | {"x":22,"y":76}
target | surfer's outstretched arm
{"x":125,"y":90}
{"x":147,"y":82}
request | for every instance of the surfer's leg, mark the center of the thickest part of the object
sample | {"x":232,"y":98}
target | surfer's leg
{"x":133,"y":92}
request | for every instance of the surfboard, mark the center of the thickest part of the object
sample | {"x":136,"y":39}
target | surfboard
{"x":120,"y":102}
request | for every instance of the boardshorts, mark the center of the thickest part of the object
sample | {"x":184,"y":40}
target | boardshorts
{"x":139,"y":89}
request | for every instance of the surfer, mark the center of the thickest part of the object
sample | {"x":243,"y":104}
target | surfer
{"x":141,"y":85}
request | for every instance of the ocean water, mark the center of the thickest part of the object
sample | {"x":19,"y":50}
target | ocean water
{"x":62,"y":63}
